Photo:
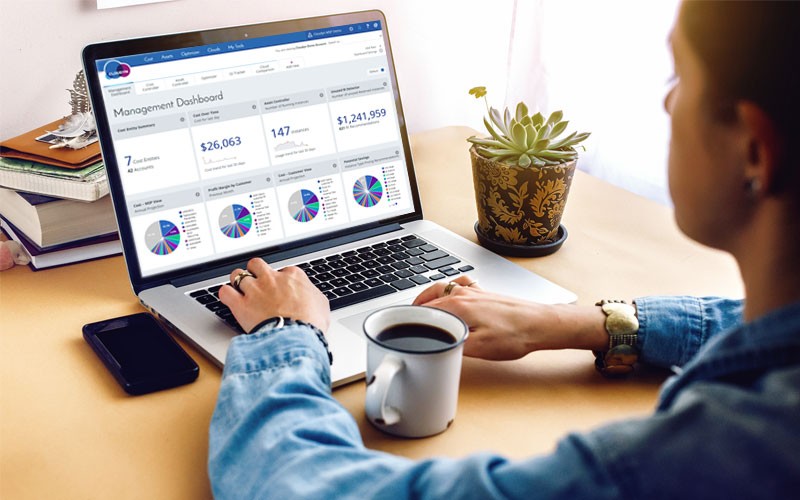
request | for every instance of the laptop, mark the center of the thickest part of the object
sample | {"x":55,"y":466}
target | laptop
{"x":284,"y":140}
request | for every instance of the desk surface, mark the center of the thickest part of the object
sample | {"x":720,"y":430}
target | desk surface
{"x":67,"y":430}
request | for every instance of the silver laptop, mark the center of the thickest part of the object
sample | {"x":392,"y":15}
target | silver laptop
{"x":283,"y":140}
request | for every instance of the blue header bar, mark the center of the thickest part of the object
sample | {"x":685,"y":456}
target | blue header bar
{"x":236,"y":46}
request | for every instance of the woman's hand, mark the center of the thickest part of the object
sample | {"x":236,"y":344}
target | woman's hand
{"x":504,"y":328}
{"x":288,"y":293}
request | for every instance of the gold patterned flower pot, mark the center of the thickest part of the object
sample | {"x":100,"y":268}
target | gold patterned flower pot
{"x":519,"y":206}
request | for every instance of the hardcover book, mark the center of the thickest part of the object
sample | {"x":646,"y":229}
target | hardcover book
{"x":48,"y":221}
{"x":68,"y":253}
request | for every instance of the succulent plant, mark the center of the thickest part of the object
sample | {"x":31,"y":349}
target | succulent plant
{"x":523,"y":139}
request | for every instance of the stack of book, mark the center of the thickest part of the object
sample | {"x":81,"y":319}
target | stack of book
{"x":55,"y":202}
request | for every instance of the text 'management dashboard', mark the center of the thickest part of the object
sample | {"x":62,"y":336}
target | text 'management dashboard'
{"x":234,"y":146}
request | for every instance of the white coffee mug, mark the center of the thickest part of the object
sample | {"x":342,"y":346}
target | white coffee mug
{"x":413,"y":372}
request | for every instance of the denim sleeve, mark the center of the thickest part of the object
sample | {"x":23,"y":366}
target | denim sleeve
{"x":277,"y":432}
{"x":672,"y":329}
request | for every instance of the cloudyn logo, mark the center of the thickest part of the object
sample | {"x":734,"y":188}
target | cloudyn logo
{"x":116,"y":69}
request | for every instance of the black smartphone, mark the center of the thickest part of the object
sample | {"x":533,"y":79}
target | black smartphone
{"x":140,"y":354}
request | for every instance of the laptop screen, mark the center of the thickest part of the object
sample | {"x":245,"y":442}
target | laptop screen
{"x":228,"y":148}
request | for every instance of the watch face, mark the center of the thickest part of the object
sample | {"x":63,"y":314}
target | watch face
{"x":617,"y":361}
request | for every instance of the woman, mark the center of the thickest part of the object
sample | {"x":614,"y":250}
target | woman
{"x":727,"y":426}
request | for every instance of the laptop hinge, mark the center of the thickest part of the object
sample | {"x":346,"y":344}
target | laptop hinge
{"x":287,"y":254}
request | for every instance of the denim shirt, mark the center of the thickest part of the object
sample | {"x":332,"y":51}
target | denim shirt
{"x":727,"y":424}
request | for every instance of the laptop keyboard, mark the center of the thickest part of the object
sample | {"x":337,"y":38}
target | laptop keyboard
{"x":365,"y":273}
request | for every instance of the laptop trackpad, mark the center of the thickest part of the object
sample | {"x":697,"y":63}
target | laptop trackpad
{"x":355,"y":322}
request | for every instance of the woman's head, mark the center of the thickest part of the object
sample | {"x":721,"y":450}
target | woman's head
{"x":735,"y":109}
{"x":749,"y":50}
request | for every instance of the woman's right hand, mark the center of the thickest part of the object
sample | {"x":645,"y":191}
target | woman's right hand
{"x":504,"y":328}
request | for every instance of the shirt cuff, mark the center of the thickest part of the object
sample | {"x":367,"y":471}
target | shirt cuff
{"x":272,"y":348}
{"x":669,"y":329}
{"x":673,"y":329}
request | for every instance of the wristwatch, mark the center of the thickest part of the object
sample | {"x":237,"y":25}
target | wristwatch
{"x":280,"y":322}
{"x":623,"y":328}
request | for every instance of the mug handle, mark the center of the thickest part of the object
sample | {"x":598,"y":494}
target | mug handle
{"x":378,"y":389}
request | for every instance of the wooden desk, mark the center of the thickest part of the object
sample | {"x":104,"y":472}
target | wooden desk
{"x":68,"y":431}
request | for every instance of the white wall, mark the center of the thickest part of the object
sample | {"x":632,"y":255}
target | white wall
{"x":441,"y":48}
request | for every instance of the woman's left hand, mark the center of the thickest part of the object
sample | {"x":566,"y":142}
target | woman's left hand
{"x":268,"y":293}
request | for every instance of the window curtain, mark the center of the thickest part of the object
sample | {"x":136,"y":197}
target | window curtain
{"x":606,"y":65}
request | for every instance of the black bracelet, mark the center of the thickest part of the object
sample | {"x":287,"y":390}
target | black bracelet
{"x":279,"y":320}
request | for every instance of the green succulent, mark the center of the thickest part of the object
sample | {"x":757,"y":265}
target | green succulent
{"x":525,"y":140}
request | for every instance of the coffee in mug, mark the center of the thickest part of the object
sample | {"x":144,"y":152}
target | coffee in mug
{"x":416,"y":337}
{"x":413,"y":369}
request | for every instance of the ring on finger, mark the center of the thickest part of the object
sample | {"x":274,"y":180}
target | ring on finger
{"x":449,"y":288}
{"x":239,"y":277}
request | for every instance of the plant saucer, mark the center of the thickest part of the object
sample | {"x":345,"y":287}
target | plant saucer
{"x":515,"y":250}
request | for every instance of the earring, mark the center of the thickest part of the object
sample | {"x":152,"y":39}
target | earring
{"x":753,"y":186}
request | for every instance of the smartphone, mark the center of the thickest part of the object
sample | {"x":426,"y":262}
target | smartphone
{"x":140,"y":354}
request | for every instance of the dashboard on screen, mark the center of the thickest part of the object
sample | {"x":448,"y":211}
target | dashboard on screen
{"x":229,"y":147}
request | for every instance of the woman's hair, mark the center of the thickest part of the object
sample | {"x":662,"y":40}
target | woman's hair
{"x":749,"y":50}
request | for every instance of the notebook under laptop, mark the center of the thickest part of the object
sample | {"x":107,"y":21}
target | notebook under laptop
{"x":284,"y":140}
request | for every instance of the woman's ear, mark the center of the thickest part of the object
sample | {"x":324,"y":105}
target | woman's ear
{"x":764,"y":149}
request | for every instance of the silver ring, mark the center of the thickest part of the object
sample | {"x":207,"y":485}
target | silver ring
{"x":449,"y":288}
{"x":239,"y":277}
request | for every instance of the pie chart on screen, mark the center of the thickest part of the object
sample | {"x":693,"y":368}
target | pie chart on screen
{"x":162,"y":237}
{"x":367,"y":191}
{"x":303,"y":205}
{"x":235,"y":221}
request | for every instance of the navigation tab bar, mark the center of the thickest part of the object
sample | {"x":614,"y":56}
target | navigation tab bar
{"x":247,"y":44}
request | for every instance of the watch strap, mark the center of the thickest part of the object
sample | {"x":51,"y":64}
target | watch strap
{"x":622,"y":327}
